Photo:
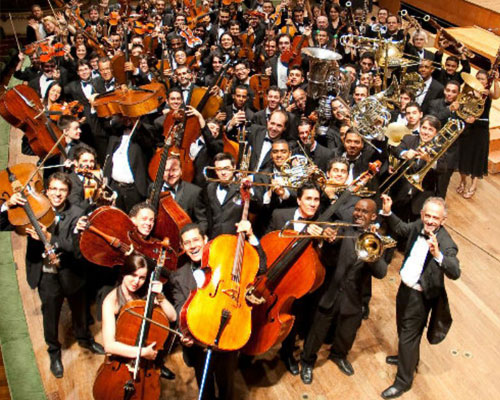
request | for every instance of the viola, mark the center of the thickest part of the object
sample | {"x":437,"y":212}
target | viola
{"x":217,"y":314}
{"x":111,"y":236}
{"x":21,"y":107}
{"x":294,"y":269}
{"x":120,"y":378}
{"x":25,"y":179}
{"x":72,"y":108}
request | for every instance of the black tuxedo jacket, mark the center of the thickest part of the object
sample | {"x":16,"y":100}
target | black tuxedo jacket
{"x":256,"y":136}
{"x":290,"y":133}
{"x":183,"y":284}
{"x":320,"y":156}
{"x":279,"y":218}
{"x":436,"y":91}
{"x":346,"y":282}
{"x":71,"y":275}
{"x":432,"y":277}
{"x":137,"y":163}
{"x":77,"y":194}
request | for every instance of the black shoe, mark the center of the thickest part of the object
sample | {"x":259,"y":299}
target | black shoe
{"x":393,"y":360}
{"x":56,"y":367}
{"x":167,"y":373}
{"x":365,"y":312}
{"x":306,"y":374}
{"x":393,"y":392}
{"x":93,"y":346}
{"x":291,"y":365}
{"x":344,"y":365}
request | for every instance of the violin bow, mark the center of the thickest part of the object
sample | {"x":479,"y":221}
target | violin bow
{"x":55,"y":16}
{"x":15,"y":34}
{"x":167,"y":328}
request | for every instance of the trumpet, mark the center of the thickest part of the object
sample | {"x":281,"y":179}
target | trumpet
{"x":369,"y":246}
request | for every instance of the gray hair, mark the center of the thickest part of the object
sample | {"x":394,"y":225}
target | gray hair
{"x":436,"y":200}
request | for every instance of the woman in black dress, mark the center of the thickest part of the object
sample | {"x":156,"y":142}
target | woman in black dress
{"x":475,"y":142}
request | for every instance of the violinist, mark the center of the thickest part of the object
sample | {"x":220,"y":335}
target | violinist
{"x":340,"y":301}
{"x":186,"y":279}
{"x":221,"y":26}
{"x":133,"y":284}
{"x":84,"y":159}
{"x":276,"y":69}
{"x":205,"y":148}
{"x":41,"y":82}
{"x":54,"y":284}
{"x":34,"y":29}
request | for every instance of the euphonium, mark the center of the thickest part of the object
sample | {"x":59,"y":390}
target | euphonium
{"x":435,"y":148}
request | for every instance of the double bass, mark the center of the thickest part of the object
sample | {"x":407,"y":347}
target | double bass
{"x":294,"y":269}
{"x":119,"y":378}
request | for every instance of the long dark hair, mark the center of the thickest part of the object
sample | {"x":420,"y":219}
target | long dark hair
{"x":132,"y":263}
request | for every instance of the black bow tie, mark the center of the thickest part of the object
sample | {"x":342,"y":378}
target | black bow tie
{"x":86,"y":83}
{"x":266,"y":139}
{"x":110,"y":83}
{"x":223,"y":186}
{"x":424,"y":235}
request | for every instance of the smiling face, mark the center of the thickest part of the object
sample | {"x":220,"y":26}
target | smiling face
{"x":57,"y":192}
{"x":276,"y":125}
{"x":338,"y":173}
{"x":308,"y":203}
{"x":192,"y":243}
{"x":224,"y":170}
{"x":144,"y":221}
{"x":279,"y":153}
{"x":433,"y":215}
{"x":427,"y":132}
{"x":173,"y":172}
{"x":451,"y":92}
{"x":365,"y":213}
{"x":353,"y":144}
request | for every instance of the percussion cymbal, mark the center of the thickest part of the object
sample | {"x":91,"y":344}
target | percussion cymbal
{"x":472,"y":81}
{"x":322,"y":54}
{"x":395,"y":132}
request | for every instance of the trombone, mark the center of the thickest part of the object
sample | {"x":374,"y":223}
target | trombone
{"x":369,"y":246}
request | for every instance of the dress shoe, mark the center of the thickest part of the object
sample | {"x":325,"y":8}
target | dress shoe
{"x":393,"y":392}
{"x":167,"y":373}
{"x":393,"y":360}
{"x":344,"y":365}
{"x":306,"y":374}
{"x":56,"y":367}
{"x":291,"y":365}
{"x":93,"y":346}
{"x":365,"y":312}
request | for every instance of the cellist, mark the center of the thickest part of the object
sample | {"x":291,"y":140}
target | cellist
{"x":186,"y":279}
{"x":54,"y":284}
{"x":134,"y":275}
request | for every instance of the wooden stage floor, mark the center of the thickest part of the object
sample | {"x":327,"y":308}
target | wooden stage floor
{"x":464,"y":366}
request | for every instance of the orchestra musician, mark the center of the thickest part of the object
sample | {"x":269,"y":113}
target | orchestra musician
{"x":429,"y":256}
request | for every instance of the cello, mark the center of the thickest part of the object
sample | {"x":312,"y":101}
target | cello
{"x":111,"y":236}
{"x":25,"y":179}
{"x":217,"y":314}
{"x":187,"y":132}
{"x":170,"y":217}
{"x":21,"y":107}
{"x":294,"y":269}
{"x":119,"y":378}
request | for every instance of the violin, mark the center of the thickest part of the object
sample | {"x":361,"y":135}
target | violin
{"x":94,"y":187}
{"x":217,"y":314}
{"x":294,"y":269}
{"x":21,"y":107}
{"x":111,"y":236}
{"x":72,"y":108}
{"x":37,"y":211}
{"x":47,"y":52}
{"x":120,"y":378}
{"x":293,"y":56}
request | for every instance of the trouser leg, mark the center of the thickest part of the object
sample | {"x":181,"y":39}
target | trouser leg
{"x":345,"y":333}
{"x":77,"y":304}
{"x":319,"y":329}
{"x":411,"y":313}
{"x":52,"y":298}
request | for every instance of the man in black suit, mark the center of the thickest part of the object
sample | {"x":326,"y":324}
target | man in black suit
{"x":341,"y":296}
{"x":187,"y":195}
{"x":238,"y":113}
{"x":416,"y":47}
{"x":224,"y":204}
{"x":55,"y":282}
{"x":443,"y":107}
{"x":127,"y":169}
{"x":261,"y":139}
{"x":308,"y":146}
{"x":430,"y":254}
{"x":84,"y":158}
{"x":432,"y":88}
{"x":106,"y":81}
{"x":308,"y":201}
{"x":41,"y":82}
{"x":450,"y":70}
{"x":84,"y":91}
{"x":188,"y":278}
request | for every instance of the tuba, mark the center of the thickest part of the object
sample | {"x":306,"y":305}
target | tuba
{"x":322,"y":70}
{"x":470,"y":100}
